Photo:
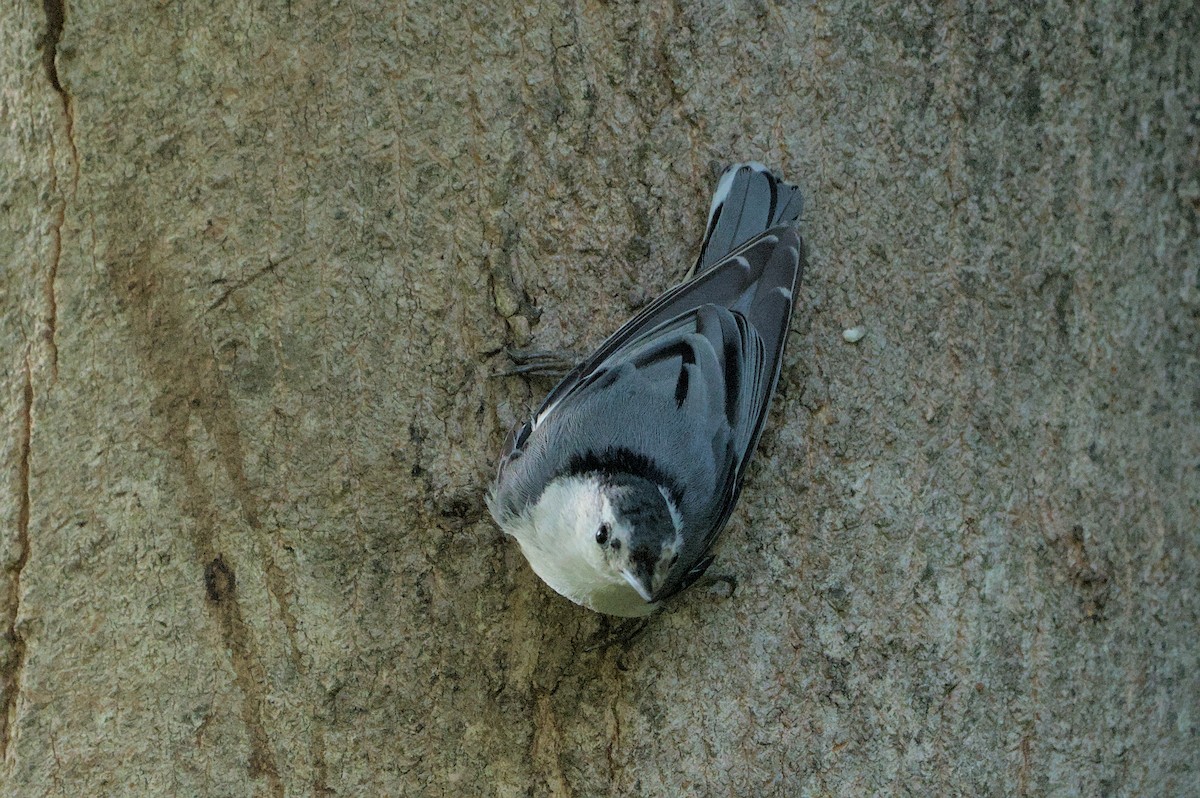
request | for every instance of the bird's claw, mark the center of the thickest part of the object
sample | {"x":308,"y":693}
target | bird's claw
{"x":624,"y":633}
{"x":539,"y":363}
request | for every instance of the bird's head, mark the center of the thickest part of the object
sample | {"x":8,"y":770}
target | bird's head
{"x":607,"y":541}
{"x":637,"y":532}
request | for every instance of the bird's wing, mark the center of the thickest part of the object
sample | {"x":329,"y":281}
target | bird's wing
{"x":756,"y":280}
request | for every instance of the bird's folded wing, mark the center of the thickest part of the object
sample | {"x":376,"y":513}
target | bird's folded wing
{"x":757,"y":280}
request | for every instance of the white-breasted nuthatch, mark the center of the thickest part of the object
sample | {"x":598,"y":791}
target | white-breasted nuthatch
{"x":619,"y":485}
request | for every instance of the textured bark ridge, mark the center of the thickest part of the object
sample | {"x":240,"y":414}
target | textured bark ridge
{"x":260,"y":268}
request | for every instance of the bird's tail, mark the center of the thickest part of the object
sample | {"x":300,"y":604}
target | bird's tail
{"x":748,"y":201}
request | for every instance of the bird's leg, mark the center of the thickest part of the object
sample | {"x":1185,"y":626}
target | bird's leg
{"x":693,"y":576}
{"x":540,"y":363}
{"x":620,"y":633}
{"x":700,"y":570}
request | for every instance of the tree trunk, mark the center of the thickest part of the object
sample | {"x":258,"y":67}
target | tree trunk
{"x":262,"y":263}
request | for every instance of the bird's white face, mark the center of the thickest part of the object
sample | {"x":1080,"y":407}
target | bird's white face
{"x":615,"y":541}
{"x":575,"y":541}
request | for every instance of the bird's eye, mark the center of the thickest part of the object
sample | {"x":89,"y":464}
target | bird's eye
{"x":602,"y":534}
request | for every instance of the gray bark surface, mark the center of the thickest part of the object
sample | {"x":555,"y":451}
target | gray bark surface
{"x":260,"y":264}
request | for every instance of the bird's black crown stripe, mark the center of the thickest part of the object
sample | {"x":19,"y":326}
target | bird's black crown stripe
{"x":619,"y":460}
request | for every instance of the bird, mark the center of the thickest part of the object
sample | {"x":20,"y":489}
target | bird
{"x":618,"y":486}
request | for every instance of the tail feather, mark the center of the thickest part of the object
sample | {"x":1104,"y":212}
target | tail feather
{"x":749,"y":200}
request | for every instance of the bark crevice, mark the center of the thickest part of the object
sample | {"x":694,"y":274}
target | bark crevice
{"x":15,"y":665}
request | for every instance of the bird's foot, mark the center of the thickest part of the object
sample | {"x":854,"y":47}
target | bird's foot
{"x":540,"y":363}
{"x":618,"y":633}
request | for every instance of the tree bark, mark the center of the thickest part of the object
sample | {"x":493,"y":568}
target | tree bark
{"x":262,"y":263}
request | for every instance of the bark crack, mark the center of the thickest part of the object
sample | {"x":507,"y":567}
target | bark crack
{"x":221,"y":588}
{"x":240,"y":284}
{"x":56,"y":236}
{"x":13,"y":667}
{"x":55,"y":11}
{"x":56,"y":15}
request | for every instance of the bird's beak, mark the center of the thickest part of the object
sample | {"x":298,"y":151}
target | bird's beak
{"x":641,"y":586}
